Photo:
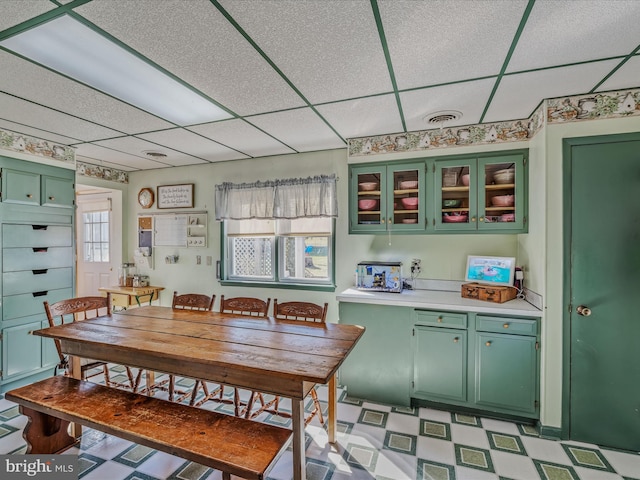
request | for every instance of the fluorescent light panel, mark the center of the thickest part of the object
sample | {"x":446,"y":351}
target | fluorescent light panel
{"x":73,"y":49}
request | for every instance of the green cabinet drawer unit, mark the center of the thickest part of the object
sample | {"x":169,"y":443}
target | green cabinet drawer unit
{"x":38,"y":260}
{"x":441,"y":319}
{"x":514,"y":326}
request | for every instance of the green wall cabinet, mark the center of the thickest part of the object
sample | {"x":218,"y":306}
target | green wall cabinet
{"x":481,"y":193}
{"x":37,"y":259}
{"x":407,"y":356}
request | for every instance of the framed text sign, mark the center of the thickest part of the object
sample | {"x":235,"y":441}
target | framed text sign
{"x":175,"y":196}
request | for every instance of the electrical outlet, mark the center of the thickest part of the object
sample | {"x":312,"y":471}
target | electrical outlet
{"x":416,"y":267}
{"x":198,"y":259}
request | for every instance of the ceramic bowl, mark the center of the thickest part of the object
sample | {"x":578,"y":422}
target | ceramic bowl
{"x":367,"y":204}
{"x":502,"y":200}
{"x":368,"y":186}
{"x":508,"y":217}
{"x":465,"y":179}
{"x":409,"y":202}
{"x":451,"y":203}
{"x":409,"y":220}
{"x":408,"y":184}
{"x":504,"y":176}
{"x":454,"y":217}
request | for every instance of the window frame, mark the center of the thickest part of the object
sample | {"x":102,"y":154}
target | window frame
{"x":278,"y":245}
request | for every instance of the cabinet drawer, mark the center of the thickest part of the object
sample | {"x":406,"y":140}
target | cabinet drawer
{"x":441,"y":319}
{"x":514,"y":326}
{"x":29,"y":281}
{"x":37,"y":236}
{"x":16,"y":259}
{"x":25,"y":304}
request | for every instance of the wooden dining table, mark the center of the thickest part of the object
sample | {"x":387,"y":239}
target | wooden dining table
{"x":280,"y":357}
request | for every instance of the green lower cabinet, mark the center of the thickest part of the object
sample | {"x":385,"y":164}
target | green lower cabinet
{"x":21,"y":351}
{"x":506,"y":372}
{"x":440,"y":363}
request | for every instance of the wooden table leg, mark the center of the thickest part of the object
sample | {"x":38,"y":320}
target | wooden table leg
{"x":297,"y":417}
{"x":332,"y":425}
{"x":75,"y":429}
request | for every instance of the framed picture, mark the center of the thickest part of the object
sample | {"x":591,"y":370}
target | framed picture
{"x":490,"y":270}
{"x":175,"y":196}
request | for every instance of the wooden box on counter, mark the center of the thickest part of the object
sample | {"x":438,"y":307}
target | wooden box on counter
{"x":488,"y":293}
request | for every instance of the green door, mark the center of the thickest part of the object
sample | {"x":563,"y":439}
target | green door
{"x":603,"y":260}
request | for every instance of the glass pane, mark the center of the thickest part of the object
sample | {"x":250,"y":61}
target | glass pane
{"x":405,"y":196}
{"x":306,"y":258}
{"x":87,"y":252}
{"x":87,"y":232}
{"x":105,"y":252}
{"x":368,"y":198}
{"x":251,"y":257}
{"x":455,"y":194}
{"x":500,"y":192}
{"x":95,"y":232}
{"x":104,"y":232}
{"x":104,"y":216}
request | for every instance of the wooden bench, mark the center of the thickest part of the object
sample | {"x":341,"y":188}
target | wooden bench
{"x":231,"y":444}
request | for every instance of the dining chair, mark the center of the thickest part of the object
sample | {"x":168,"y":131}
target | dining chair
{"x":250,"y":306}
{"x":186,"y":301}
{"x":299,"y":312}
{"x":78,"y":309}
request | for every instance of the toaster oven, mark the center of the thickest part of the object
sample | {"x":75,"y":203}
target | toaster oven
{"x":379,"y":276}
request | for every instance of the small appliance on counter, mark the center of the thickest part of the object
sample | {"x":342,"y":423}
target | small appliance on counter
{"x":379,"y":276}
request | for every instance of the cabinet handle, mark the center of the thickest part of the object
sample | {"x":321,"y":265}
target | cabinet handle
{"x":40,"y":294}
{"x":39,"y":227}
{"x":473,"y":219}
{"x":40,"y":249}
{"x":481,"y":219}
{"x":29,"y":195}
{"x":41,"y":271}
{"x":52,"y":198}
{"x":488,"y":344}
{"x":455,"y":340}
{"x":506,"y":325}
{"x":439,"y":319}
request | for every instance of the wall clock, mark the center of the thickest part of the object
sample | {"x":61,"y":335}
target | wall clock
{"x":145,"y":197}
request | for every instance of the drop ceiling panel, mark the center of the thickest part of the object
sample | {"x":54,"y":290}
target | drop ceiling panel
{"x":301,"y":129}
{"x":627,"y":76}
{"x":364,"y":116}
{"x":50,"y":89}
{"x":201,"y":46}
{"x":242,"y":136}
{"x":15,"y":12}
{"x":192,"y":144}
{"x":576,"y":31}
{"x":44,"y":118}
{"x":349,"y":62}
{"x":519,"y":94}
{"x":34,"y":132}
{"x":137,"y":146}
{"x":469,"y":98}
{"x":98,"y":155}
{"x":446,"y":40}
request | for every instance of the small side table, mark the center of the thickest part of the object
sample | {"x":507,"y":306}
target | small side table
{"x":124,"y":297}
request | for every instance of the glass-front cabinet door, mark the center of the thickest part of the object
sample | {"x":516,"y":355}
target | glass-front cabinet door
{"x":406,"y":191}
{"x":456,"y":194}
{"x":368,"y":205}
{"x":501,"y":201}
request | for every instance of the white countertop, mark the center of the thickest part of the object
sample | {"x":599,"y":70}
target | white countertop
{"x":439,"y":300}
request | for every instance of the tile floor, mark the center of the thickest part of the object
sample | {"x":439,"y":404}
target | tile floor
{"x":374,"y":442}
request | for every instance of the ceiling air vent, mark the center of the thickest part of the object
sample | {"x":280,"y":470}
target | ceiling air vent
{"x":154,"y":154}
{"x":440,"y":118}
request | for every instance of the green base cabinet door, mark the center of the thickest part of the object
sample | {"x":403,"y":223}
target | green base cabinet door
{"x":506,"y":372}
{"x":440,"y":364}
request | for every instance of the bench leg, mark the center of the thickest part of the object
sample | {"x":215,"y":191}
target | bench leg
{"x":226,"y":476}
{"x":44,"y":433}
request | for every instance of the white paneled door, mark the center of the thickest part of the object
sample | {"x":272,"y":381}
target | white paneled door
{"x":99,"y":243}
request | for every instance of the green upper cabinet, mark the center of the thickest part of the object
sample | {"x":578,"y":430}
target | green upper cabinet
{"x":20,"y":187}
{"x":455,"y":194}
{"x":482,"y":193}
{"x":58,"y":192}
{"x":387,"y":198}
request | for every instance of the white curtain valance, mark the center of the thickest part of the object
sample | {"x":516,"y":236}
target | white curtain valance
{"x":291,"y":198}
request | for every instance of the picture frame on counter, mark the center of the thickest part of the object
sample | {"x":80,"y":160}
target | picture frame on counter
{"x":175,"y":196}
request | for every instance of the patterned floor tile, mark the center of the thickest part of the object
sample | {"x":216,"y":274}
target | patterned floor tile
{"x":359,"y":456}
{"x":466,"y":420}
{"x":134,"y":456}
{"x":513,"y":467}
{"x":433,"y":429}
{"x":587,"y":457}
{"x":506,"y":443}
{"x":625,"y":463}
{"x":140,"y":476}
{"x":190,"y":471}
{"x":87,"y":463}
{"x":400,"y":442}
{"x":414,"y":412}
{"x":6,"y":430}
{"x":428,"y":470}
{"x":529,"y":430}
{"x":9,"y":413}
{"x":554,"y":471}
{"x":472,"y":457}
{"x":373,"y":417}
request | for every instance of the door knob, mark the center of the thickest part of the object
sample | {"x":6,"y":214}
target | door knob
{"x":584,"y":311}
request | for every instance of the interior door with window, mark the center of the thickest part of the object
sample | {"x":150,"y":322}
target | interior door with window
{"x":97,"y":264}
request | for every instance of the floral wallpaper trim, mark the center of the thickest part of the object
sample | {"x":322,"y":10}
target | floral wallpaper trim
{"x":615,"y":104}
{"x":17,"y":142}
{"x":104,"y":173}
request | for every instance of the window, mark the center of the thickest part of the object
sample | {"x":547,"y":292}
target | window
{"x":298,"y":251}
{"x":96,"y":236}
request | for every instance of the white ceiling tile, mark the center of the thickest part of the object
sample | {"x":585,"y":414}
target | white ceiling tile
{"x":18,"y":11}
{"x":34,"y":132}
{"x":560,"y":32}
{"x":201,"y":46}
{"x":242,"y":136}
{"x":337,"y":55}
{"x":40,"y":85}
{"x":627,"y":76}
{"x":441,"y":41}
{"x":193,"y":144}
{"x":519,"y":94}
{"x":137,"y":146}
{"x":97,"y":155}
{"x":469,"y":98}
{"x":44,"y":118}
{"x":301,"y":129}
{"x":364,"y":116}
